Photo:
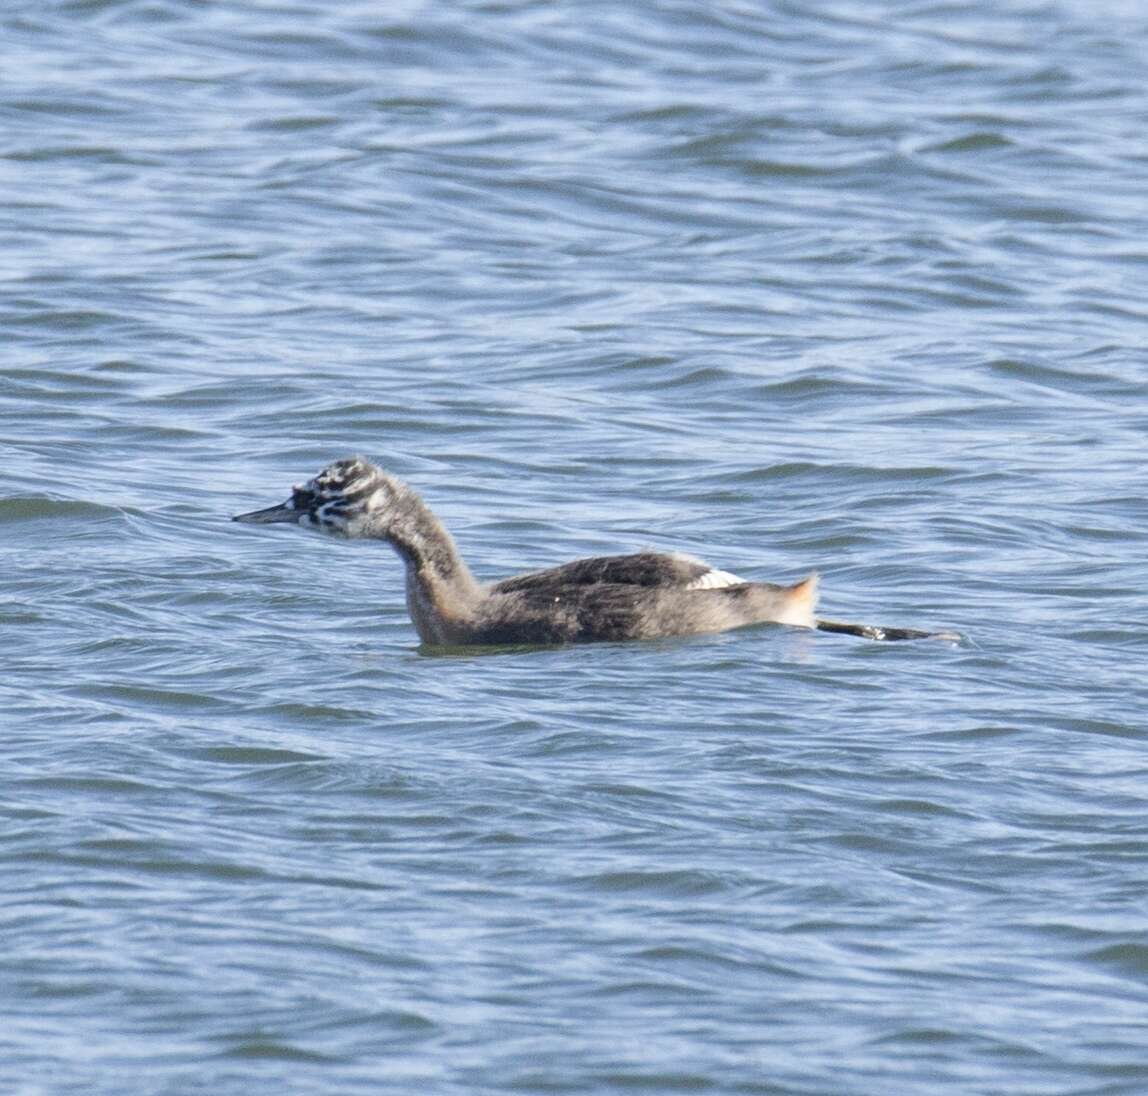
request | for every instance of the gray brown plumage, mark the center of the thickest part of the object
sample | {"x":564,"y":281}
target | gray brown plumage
{"x":640,"y":596}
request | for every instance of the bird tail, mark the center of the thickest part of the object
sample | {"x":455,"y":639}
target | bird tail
{"x":798,"y":603}
{"x":871,"y":631}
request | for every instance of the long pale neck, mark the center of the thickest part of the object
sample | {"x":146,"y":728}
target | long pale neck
{"x":441,"y":591}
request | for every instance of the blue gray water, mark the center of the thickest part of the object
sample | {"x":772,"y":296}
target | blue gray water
{"x":845,"y":286}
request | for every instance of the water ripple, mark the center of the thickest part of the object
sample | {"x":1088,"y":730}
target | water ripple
{"x":789,"y":287}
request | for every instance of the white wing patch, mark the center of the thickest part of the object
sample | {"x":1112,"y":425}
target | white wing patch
{"x":715,"y":580}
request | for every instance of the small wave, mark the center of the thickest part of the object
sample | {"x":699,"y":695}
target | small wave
{"x":39,"y":508}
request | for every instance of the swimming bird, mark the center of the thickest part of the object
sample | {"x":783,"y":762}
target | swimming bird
{"x":640,"y":596}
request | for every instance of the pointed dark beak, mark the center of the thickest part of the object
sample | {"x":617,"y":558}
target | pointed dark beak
{"x":283,"y":512}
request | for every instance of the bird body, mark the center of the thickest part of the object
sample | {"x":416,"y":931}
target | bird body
{"x":640,"y":596}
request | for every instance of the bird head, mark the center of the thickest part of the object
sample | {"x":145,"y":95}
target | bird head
{"x":349,"y":498}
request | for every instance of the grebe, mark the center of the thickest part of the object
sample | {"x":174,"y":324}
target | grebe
{"x":641,"y":596}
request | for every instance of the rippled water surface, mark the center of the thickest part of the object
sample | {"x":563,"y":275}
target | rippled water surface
{"x":848,"y":286}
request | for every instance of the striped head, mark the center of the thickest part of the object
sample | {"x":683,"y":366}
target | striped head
{"x":346,"y":499}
